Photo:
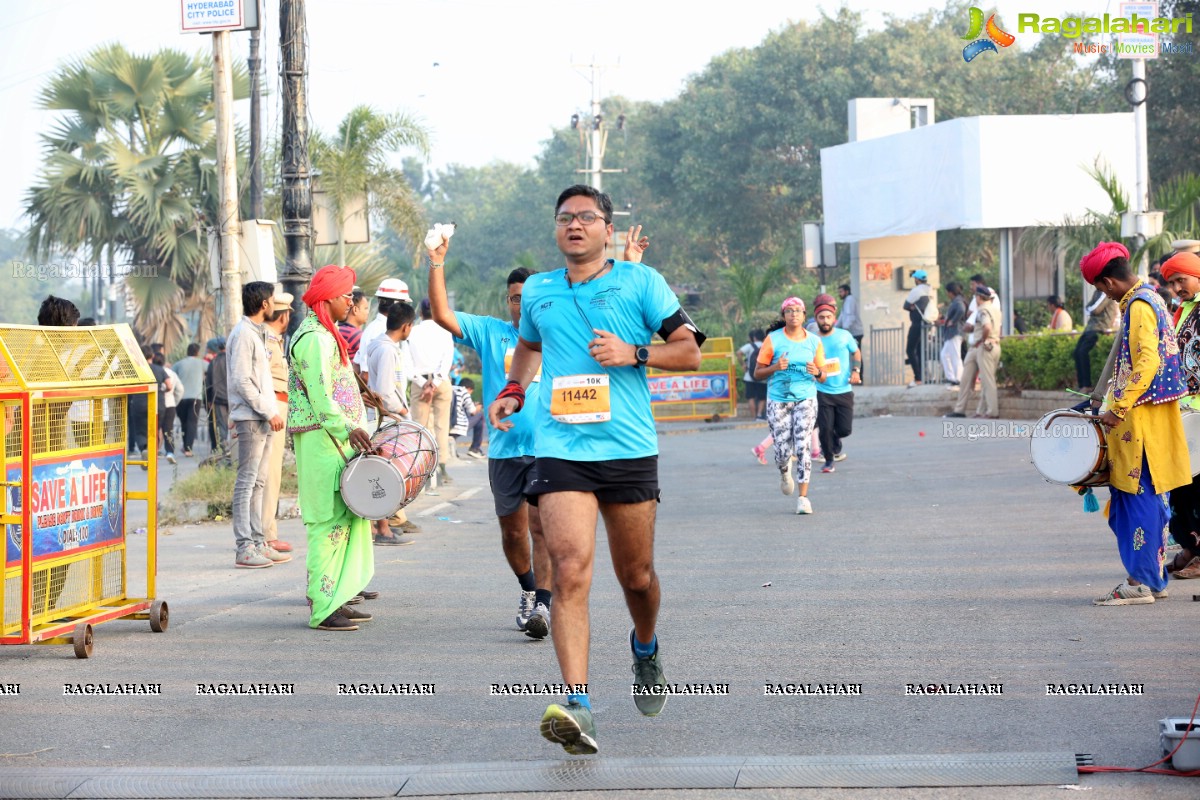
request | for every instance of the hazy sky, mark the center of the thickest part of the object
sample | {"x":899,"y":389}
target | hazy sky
{"x":490,"y":79}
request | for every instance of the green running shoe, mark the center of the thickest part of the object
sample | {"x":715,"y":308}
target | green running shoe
{"x":647,"y":678}
{"x":572,"y":727}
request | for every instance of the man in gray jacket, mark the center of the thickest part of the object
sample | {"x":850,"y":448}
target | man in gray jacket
{"x":255,"y":415}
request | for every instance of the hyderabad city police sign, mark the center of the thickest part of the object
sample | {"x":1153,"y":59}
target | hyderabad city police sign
{"x":207,"y":16}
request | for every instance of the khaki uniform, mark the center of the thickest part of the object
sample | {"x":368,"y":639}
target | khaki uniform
{"x":279,"y":380}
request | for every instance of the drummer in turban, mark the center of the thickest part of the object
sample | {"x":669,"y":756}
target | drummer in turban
{"x":1145,"y":433}
{"x":1182,"y":273}
{"x":325,"y":408}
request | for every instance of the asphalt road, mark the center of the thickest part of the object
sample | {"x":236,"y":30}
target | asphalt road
{"x":934,"y":558}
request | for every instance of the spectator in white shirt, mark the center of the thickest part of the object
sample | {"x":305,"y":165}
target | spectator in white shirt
{"x":388,"y":378}
{"x":390,"y":292}
{"x":432,"y":350}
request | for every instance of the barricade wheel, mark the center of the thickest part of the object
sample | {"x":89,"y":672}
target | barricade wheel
{"x":81,"y":638}
{"x":160,"y":616}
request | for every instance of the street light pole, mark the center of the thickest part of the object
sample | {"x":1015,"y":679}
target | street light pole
{"x":1141,"y":200}
{"x":295,"y":169}
{"x":256,"y":176}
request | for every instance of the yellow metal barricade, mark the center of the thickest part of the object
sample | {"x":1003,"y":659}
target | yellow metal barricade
{"x":708,"y":393}
{"x":65,"y":395}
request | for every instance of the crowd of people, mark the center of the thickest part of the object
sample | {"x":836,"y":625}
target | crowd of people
{"x":570,"y":431}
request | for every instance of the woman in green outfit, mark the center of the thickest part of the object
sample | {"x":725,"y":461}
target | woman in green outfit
{"x":325,"y":407}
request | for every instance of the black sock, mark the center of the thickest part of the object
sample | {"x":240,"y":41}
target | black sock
{"x":527,"y":582}
{"x":543,"y":596}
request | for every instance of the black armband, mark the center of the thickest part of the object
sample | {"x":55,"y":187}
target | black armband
{"x":677,"y":320}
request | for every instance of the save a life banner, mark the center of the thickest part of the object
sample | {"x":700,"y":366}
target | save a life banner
{"x":76,"y":505}
{"x":692,"y":387}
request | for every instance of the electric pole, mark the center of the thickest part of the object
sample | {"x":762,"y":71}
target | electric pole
{"x":295,"y":169}
{"x":594,"y":132}
{"x":229,"y":222}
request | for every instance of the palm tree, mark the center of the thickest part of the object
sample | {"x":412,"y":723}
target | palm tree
{"x":749,"y":285}
{"x":130,"y":170}
{"x":356,"y":160}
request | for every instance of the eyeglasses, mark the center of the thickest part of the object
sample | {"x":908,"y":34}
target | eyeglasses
{"x":564,"y":218}
{"x":348,"y":296}
{"x":793,"y":311}
{"x":515,"y":299}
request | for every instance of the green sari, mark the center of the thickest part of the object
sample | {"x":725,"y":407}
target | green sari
{"x":341,"y":556}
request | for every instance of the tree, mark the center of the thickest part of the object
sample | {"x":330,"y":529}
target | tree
{"x":129,"y":172}
{"x":25,"y":287}
{"x":356,"y":161}
{"x":724,"y":174}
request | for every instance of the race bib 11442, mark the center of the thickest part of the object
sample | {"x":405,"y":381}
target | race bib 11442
{"x":580,"y":398}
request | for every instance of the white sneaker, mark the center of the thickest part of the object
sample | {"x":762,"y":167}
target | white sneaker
{"x":786,"y":484}
{"x":803,"y":506}
{"x":538,"y":626}
{"x":525,"y":609}
{"x":840,"y":457}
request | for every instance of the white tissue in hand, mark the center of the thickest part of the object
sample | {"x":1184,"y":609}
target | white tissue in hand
{"x":435,"y":235}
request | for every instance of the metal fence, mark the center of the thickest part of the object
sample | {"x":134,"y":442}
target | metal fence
{"x":887,"y":360}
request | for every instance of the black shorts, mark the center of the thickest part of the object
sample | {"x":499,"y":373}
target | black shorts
{"x":755,"y":390}
{"x":622,"y":480}
{"x":508,"y":477}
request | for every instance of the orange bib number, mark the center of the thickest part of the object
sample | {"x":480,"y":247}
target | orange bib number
{"x":580,"y":398}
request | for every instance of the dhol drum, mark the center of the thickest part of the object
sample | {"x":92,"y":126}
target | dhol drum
{"x":376,"y":485}
{"x":1071,"y":448}
{"x":1191,"y":432}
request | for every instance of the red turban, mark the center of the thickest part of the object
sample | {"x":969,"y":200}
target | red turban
{"x":1181,"y":264}
{"x":824,"y":302}
{"x":330,"y":282}
{"x":1094,"y":262}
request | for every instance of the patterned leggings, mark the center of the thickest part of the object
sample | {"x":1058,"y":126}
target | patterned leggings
{"x":792,"y":424}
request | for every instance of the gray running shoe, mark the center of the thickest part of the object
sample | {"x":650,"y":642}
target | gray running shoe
{"x":572,"y":727}
{"x":647,"y":678}
{"x":786,"y":484}
{"x":538,"y":626}
{"x":525,"y":609}
{"x":1126,"y":595}
{"x":250,"y":558}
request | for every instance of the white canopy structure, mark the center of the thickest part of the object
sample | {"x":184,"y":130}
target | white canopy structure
{"x":891,"y":188}
{"x":974,"y":172}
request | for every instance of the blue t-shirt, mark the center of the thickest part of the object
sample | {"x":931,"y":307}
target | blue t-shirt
{"x":495,"y":340}
{"x":839,"y":345}
{"x":794,"y":383}
{"x":630,"y":301}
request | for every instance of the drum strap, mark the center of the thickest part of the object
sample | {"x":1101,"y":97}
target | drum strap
{"x":368,"y":396}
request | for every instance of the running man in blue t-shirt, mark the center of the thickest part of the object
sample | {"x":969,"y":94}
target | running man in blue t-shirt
{"x":589,"y":327}
{"x":843,"y":368}
{"x":510,"y":451}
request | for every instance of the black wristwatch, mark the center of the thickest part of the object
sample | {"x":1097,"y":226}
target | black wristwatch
{"x":642,"y":354}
